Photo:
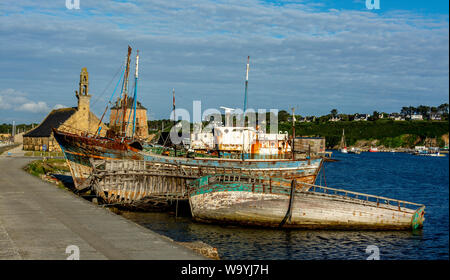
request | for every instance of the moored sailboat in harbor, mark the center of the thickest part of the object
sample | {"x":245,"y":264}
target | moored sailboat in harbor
{"x":343,"y":144}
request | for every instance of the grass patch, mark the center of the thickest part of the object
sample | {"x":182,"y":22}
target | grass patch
{"x":43,"y":154}
{"x":39,"y":168}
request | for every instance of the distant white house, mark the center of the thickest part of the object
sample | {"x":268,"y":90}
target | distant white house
{"x":307,"y":119}
{"x":361,"y":117}
{"x":435,"y":117}
{"x":416,"y":117}
{"x":397,"y":117}
{"x":335,"y":119}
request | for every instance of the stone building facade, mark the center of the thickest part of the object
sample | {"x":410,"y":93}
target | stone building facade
{"x":116,"y":119}
{"x":78,"y":120}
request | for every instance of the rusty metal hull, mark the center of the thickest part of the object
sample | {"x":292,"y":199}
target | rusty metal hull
{"x":252,"y":205}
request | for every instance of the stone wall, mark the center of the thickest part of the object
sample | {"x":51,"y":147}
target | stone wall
{"x":37,"y":144}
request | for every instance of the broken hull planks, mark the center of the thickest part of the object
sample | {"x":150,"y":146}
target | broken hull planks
{"x":79,"y":150}
{"x":236,"y":203}
{"x":129,"y":182}
{"x":140,"y":191}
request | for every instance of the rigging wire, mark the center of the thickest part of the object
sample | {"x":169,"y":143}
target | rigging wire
{"x":109,"y":102}
{"x":107,"y":86}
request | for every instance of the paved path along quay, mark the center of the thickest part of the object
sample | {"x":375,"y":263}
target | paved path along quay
{"x":38,"y":220}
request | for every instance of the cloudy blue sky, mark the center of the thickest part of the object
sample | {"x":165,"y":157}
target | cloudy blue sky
{"x":314,"y":56}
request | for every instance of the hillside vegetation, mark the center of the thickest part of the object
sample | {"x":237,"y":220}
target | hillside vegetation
{"x":388,"y":133}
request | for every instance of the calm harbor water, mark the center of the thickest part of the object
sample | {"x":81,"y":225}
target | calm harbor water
{"x":395,"y":175}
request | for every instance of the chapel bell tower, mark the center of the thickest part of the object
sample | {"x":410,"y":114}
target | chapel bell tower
{"x":83,"y":92}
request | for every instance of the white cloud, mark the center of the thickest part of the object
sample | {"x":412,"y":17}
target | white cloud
{"x":59,"y":106}
{"x":34,"y":107}
{"x":11,"y":99}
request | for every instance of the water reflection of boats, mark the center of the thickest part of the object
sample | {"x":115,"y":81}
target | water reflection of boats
{"x":239,"y":242}
{"x":273,"y":203}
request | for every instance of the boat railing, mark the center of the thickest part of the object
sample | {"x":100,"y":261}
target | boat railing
{"x":279,"y":185}
{"x":359,"y":196}
{"x":187,"y":170}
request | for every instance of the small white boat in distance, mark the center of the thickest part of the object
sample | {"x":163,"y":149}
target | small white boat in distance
{"x":343,"y":145}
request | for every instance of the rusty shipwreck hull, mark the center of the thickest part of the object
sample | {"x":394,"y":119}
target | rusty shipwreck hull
{"x":217,"y":199}
{"x":79,"y":150}
{"x":149,"y":184}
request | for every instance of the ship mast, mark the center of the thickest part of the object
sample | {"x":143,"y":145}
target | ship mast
{"x":125,"y":92}
{"x":245,"y":106}
{"x":135,"y":92}
{"x":246,"y":86}
{"x":343,"y":144}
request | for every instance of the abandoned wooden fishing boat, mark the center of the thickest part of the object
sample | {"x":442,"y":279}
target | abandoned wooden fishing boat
{"x":272,"y":202}
{"x":140,"y":182}
{"x":78,"y":150}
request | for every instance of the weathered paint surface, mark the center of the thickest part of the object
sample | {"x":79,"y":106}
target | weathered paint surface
{"x":254,"y":204}
{"x":78,"y":151}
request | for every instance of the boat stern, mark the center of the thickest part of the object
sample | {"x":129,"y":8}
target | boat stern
{"x":418,"y":218}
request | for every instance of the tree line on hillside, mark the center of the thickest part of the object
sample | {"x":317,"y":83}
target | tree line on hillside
{"x":389,"y":133}
{"x":425,"y":111}
{"x":6,"y":128}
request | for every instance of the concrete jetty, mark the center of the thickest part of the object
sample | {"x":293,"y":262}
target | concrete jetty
{"x":38,"y":220}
